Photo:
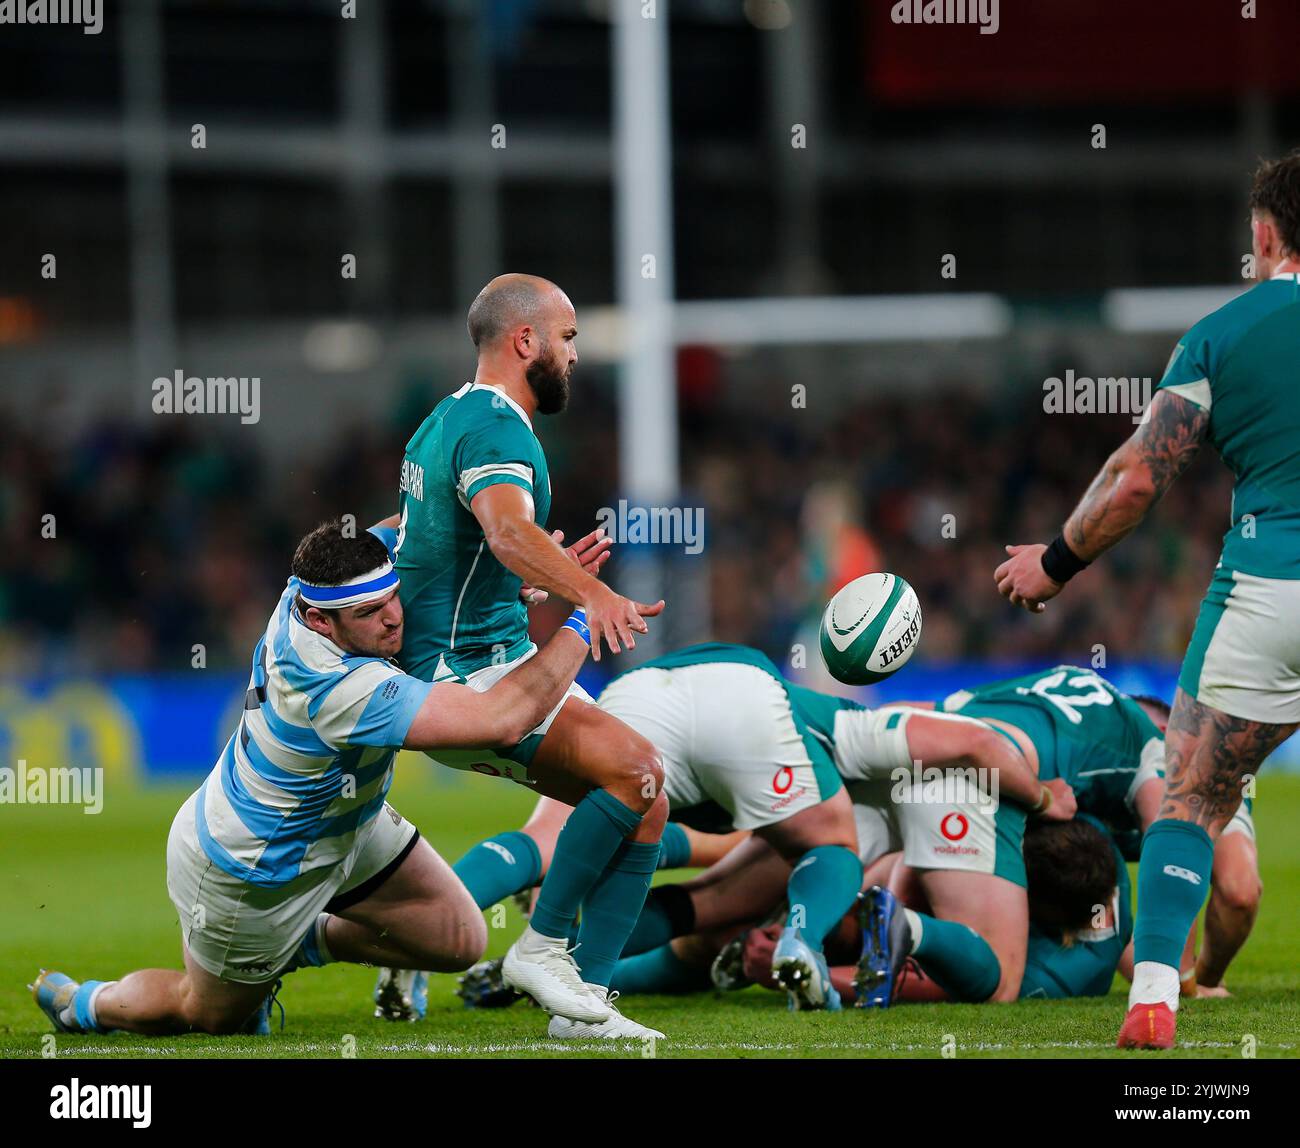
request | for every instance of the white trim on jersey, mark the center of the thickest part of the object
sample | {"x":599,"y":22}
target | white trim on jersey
{"x":451,"y":645}
{"x":1197,"y":392}
{"x":471,"y":474}
{"x":514,"y":406}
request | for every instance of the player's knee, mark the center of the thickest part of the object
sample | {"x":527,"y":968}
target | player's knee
{"x":460,"y":946}
{"x":1239,"y":893}
{"x":641,"y":780}
{"x":1006,"y":991}
{"x":1011,"y":972}
{"x":473,"y":942}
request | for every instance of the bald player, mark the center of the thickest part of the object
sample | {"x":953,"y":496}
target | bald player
{"x":475,"y":494}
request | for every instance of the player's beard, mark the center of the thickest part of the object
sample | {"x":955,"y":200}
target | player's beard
{"x":549,"y":379}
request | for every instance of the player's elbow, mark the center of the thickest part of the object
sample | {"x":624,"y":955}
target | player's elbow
{"x":988,"y":749}
{"x":502,"y":536}
{"x":1136,"y":491}
{"x":1133,"y":488}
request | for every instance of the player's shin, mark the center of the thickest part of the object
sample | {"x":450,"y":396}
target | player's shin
{"x":821,"y":889}
{"x":668,"y":912}
{"x":500,"y":866}
{"x":659,"y":971}
{"x":1173,"y":876}
{"x":611,"y":908}
{"x":676,"y":847}
{"x":956,"y":957}
{"x":594,"y":832}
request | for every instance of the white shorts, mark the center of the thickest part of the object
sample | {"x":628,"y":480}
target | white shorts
{"x":510,"y":762}
{"x":934,"y":827}
{"x":1244,"y":655}
{"x":1242,"y":822}
{"x":245,"y":933}
{"x":732,"y":755}
{"x":878,"y":829}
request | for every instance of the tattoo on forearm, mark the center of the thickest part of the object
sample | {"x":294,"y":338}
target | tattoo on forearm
{"x":1208,"y":755}
{"x":1083,"y":531}
{"x":1163,"y":446}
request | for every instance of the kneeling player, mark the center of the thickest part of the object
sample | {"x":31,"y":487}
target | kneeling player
{"x":288,"y":855}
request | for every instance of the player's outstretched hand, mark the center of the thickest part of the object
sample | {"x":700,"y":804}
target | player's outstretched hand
{"x":1021,"y":578}
{"x":590,"y":552}
{"x":615,"y":619}
{"x":1063,"y":806}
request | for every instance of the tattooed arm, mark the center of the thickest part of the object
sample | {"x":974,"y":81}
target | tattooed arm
{"x":1131,"y":482}
{"x":1136,"y":475}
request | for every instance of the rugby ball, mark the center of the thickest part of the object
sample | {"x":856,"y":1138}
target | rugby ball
{"x":870,"y":629}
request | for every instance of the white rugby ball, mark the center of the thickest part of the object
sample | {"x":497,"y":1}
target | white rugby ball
{"x":870,"y":629}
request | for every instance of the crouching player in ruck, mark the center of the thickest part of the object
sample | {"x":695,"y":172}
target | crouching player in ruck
{"x":288,"y":855}
{"x":966,"y":851}
{"x":972,"y":916}
{"x":744,"y":748}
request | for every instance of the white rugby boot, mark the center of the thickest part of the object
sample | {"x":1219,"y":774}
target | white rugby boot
{"x":617,"y":1027}
{"x":543,"y":968}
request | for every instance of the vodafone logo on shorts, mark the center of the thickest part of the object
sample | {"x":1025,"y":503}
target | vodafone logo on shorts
{"x":954,"y":826}
{"x":783,"y":787}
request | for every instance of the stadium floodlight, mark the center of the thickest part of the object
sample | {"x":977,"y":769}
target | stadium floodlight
{"x":844,"y":319}
{"x":1148,"y":310}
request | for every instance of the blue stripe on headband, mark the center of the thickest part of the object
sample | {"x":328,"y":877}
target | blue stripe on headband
{"x":332,"y":595}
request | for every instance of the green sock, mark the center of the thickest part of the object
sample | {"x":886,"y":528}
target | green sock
{"x":1173,"y":879}
{"x":594,"y":832}
{"x":658,"y":971}
{"x":611,"y":907}
{"x":960,"y":961}
{"x":821,"y":890}
{"x":499,"y":866}
{"x":677,"y":847}
{"x":669,"y":912}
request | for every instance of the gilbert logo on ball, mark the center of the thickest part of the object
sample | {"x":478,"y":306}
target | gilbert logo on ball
{"x":870,"y":629}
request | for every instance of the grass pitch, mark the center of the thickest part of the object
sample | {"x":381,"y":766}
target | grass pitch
{"x":87,"y":895}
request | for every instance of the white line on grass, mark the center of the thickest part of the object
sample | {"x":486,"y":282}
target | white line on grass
{"x":609,"y":1046}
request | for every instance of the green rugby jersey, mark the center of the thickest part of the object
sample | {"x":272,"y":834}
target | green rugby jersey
{"x":1242,"y":364}
{"x":1084,"y":729}
{"x":460,"y":603}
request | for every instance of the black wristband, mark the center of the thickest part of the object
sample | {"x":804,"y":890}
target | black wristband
{"x":1060,"y":563}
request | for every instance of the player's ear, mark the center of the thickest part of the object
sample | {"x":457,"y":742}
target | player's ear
{"x":318,"y":621}
{"x":525,"y":342}
{"x":1267,"y":241}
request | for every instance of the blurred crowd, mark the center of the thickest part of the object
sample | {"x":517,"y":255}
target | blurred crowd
{"x":161,"y":545}
{"x":933,"y":488}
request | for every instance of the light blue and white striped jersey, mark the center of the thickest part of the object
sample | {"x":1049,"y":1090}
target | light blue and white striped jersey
{"x":312,"y":758}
